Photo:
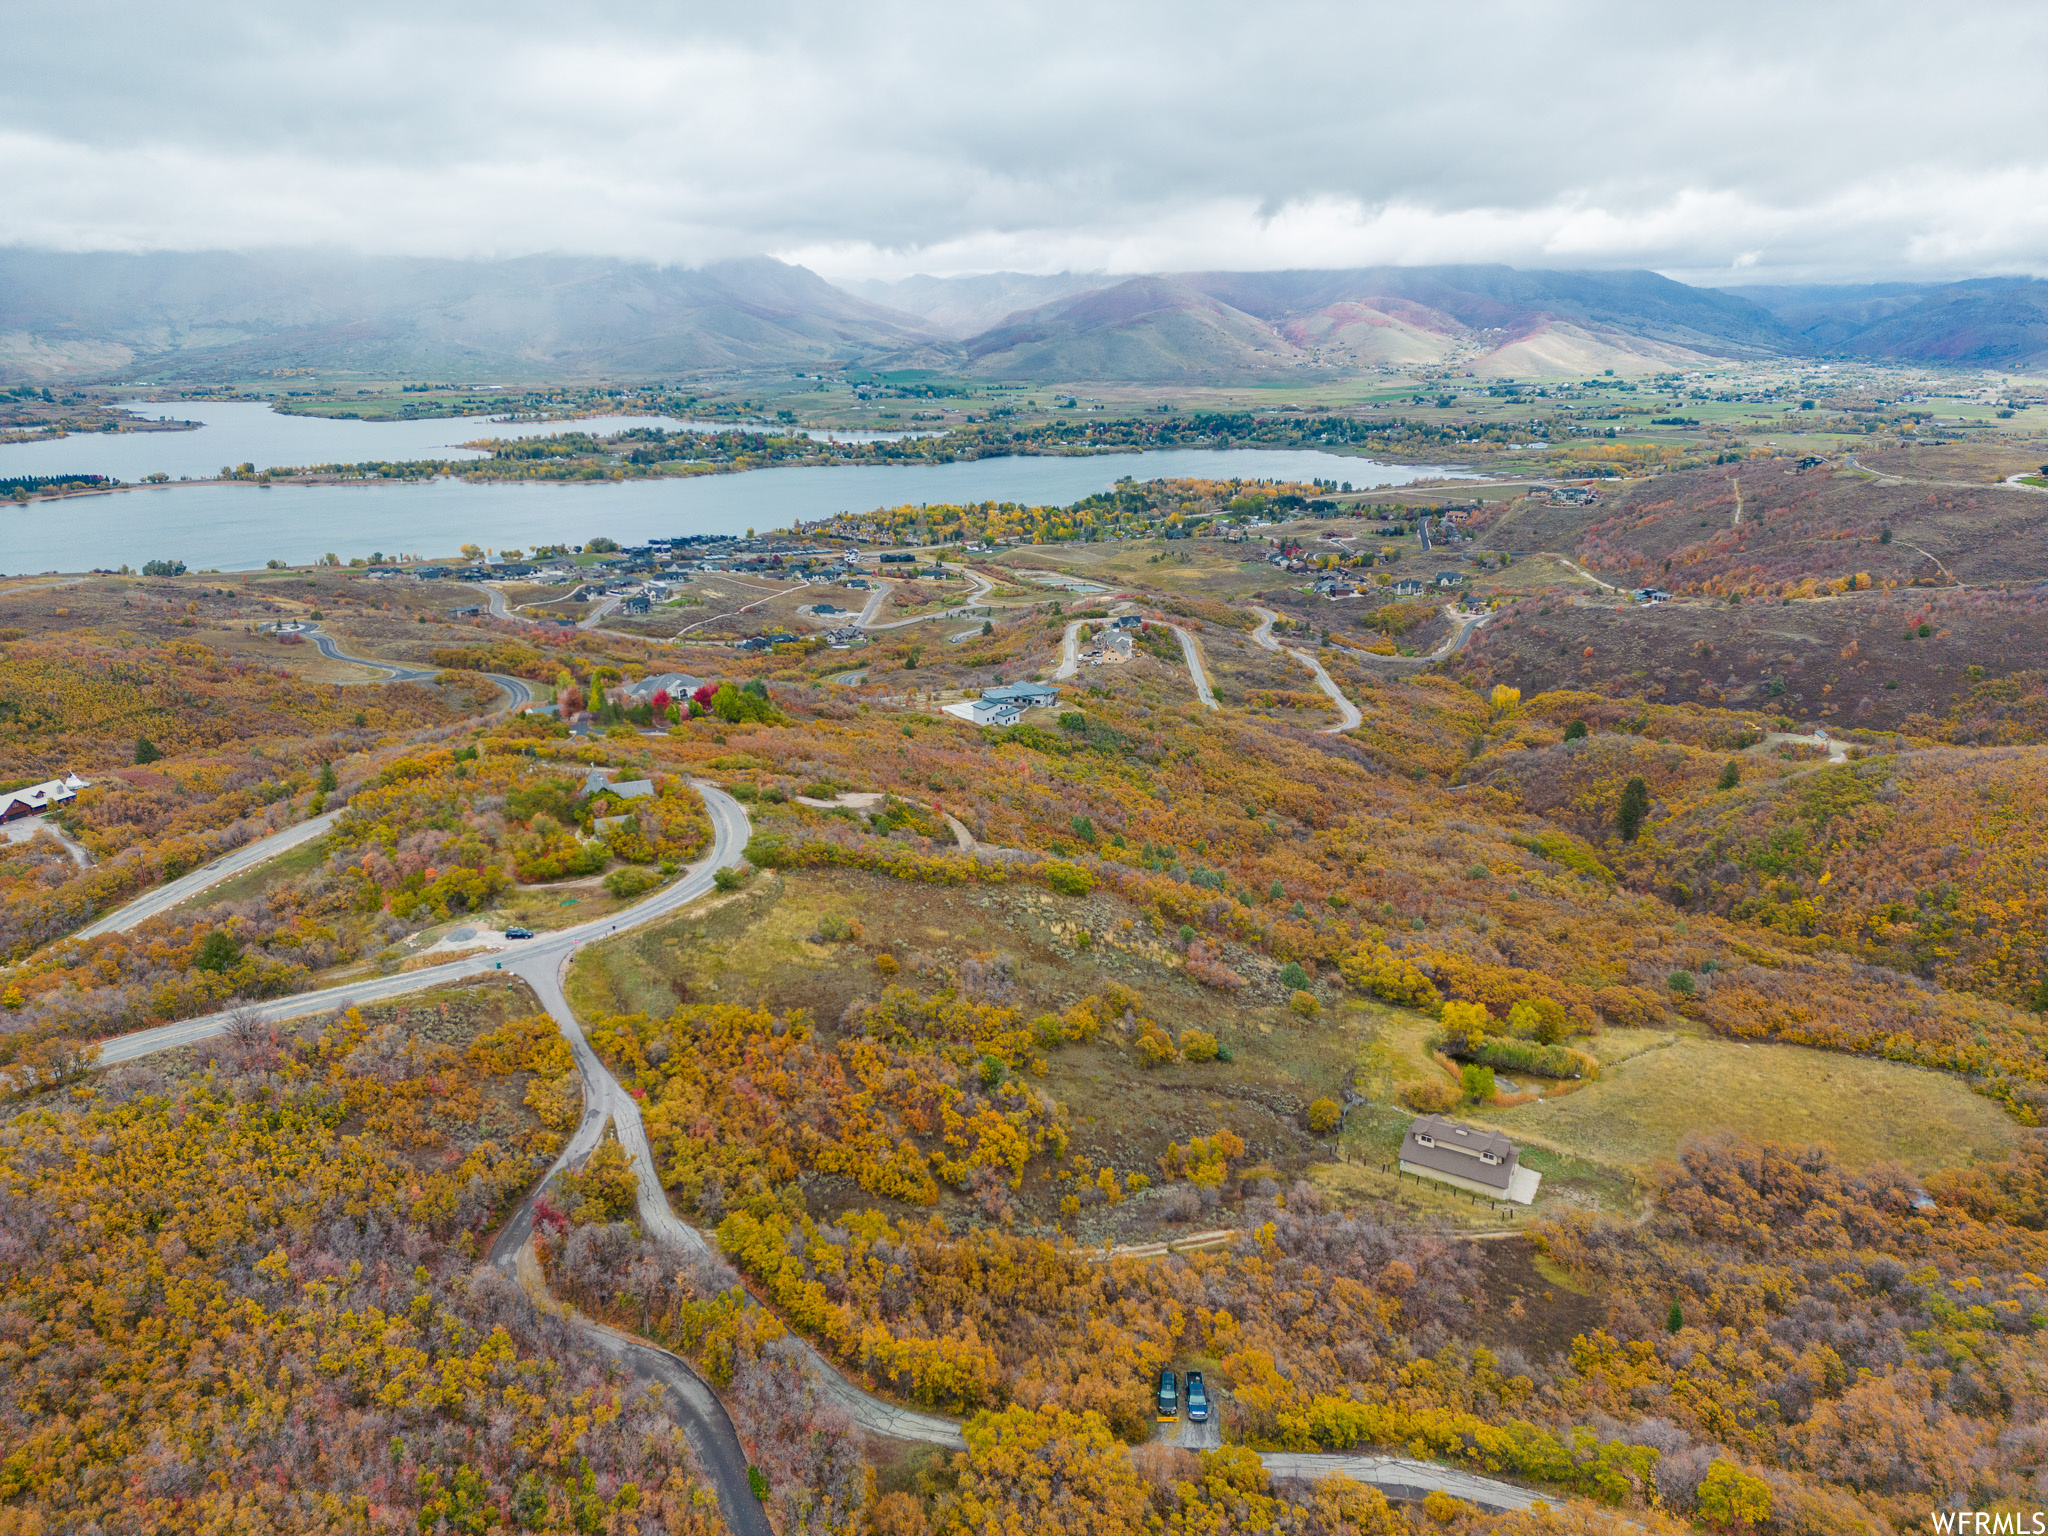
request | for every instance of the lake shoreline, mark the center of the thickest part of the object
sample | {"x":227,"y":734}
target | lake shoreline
{"x":822,"y":462}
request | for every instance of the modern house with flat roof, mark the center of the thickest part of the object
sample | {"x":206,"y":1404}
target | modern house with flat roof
{"x":1469,"y":1157}
{"x":1025,"y":695}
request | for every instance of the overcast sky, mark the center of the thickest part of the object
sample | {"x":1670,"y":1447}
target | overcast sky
{"x":1728,"y":143}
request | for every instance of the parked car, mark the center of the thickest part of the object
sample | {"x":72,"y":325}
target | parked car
{"x":518,"y":933}
{"x":1169,"y":1397}
{"x":1198,"y":1399}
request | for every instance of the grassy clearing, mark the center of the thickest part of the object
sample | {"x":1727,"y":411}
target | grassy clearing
{"x":1868,"y":1111}
{"x":757,"y":948}
{"x":289,"y":865}
{"x":1372,"y":1144}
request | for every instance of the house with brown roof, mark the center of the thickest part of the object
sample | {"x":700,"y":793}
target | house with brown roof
{"x":1468,"y":1157}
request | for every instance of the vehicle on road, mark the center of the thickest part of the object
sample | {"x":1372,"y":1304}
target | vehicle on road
{"x":1169,"y":1397}
{"x":1198,"y":1399}
{"x":518,"y":933}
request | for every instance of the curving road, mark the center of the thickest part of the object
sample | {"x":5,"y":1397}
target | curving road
{"x":518,"y":693}
{"x":1349,"y":715}
{"x":172,"y":893}
{"x":541,"y":964}
{"x":537,"y":957}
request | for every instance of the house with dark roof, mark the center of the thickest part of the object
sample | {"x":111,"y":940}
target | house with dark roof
{"x":1468,"y":1157}
{"x":1024,"y":695}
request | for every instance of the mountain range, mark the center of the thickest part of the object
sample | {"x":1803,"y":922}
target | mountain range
{"x":215,"y":316}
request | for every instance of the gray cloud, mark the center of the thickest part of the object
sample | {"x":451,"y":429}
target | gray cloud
{"x":1746,"y":142}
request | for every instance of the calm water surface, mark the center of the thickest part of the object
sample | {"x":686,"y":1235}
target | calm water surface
{"x":240,"y":526}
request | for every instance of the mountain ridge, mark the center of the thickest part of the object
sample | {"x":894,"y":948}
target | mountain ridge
{"x":215,"y":315}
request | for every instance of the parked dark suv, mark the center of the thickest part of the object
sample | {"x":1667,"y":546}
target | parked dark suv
{"x":1198,"y":1399}
{"x":1169,"y":1397}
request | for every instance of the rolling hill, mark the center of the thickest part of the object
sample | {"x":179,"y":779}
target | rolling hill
{"x":216,"y":314}
{"x":1992,"y":322}
{"x":1500,"y":321}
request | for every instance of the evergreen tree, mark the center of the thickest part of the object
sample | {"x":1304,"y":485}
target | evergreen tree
{"x":219,"y":953}
{"x":1635,"y":805}
{"x":145,"y":750}
{"x":1731,"y":775}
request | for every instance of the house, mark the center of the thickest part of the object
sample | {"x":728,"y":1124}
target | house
{"x":1120,"y":646}
{"x":1128,"y":621}
{"x":632,"y":789}
{"x":677,"y":685}
{"x":636,"y":605}
{"x":1025,"y":695}
{"x":1450,"y":578}
{"x":38,"y":798}
{"x":986,"y":711}
{"x":1468,"y":1157}
{"x":1408,"y":586}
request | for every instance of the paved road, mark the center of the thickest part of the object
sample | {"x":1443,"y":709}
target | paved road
{"x":518,"y":693}
{"x":876,"y":593}
{"x":1400,"y":1477}
{"x":1070,"y":652}
{"x":541,"y":964}
{"x":154,"y":903}
{"x":1187,"y":648}
{"x":1349,"y":716}
{"x":393,"y":672}
{"x":1468,"y":624}
{"x":540,"y":954}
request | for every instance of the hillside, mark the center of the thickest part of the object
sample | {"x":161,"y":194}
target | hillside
{"x":215,"y":315}
{"x":1994,"y":322}
{"x":1498,"y":320}
{"x":220,"y":314}
{"x":962,"y":1007}
{"x":1925,"y":862}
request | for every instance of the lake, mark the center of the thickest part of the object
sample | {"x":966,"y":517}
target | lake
{"x":240,"y":526}
{"x":245,"y":432}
